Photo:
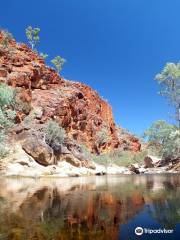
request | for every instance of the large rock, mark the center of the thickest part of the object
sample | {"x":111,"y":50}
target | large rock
{"x":76,"y":162}
{"x":71,"y":159}
{"x":39,"y":150}
{"x":133,"y":168}
{"x":148,"y":162}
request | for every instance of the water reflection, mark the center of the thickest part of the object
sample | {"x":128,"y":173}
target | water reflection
{"x":85,"y":208}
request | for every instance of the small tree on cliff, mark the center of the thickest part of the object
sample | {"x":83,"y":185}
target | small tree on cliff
{"x":32,"y":35}
{"x":58,"y":63}
{"x":169,"y":80}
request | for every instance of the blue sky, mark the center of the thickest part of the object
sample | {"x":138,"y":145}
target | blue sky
{"x":115,"y":46}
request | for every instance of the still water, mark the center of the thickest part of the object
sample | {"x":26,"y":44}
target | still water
{"x":90,"y":208}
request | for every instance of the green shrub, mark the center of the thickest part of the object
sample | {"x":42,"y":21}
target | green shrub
{"x":86,"y":152}
{"x":102,"y":137}
{"x":7,"y":115}
{"x":7,"y":118}
{"x":120,"y":158}
{"x":54,"y":135}
{"x":20,"y":105}
{"x":6,"y":95}
{"x":6,"y":98}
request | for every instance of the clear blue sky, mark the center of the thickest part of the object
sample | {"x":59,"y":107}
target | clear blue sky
{"x":115,"y":46}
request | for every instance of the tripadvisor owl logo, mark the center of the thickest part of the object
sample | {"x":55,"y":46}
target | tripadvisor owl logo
{"x":139,"y":231}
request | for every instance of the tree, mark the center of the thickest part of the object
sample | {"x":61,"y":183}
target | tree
{"x":169,"y":80}
{"x":166,"y":136}
{"x":32,"y":35}
{"x":58,"y":63}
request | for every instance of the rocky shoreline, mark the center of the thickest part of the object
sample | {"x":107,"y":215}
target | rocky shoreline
{"x":20,"y":164}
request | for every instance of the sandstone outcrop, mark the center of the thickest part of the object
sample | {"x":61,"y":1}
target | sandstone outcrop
{"x":39,"y":150}
{"x":45,"y":95}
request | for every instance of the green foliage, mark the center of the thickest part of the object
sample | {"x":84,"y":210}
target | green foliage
{"x":6,"y":116}
{"x":159,"y":132}
{"x":86,"y":152}
{"x":171,"y":148}
{"x":58,"y":63}
{"x":6,"y":98}
{"x":7,"y":37}
{"x":164,"y":137}
{"x":6,"y":95}
{"x":120,"y":158}
{"x":117,"y":157}
{"x":44,"y":55}
{"x":54,"y":135}
{"x":20,"y":105}
{"x":102,"y":137}
{"x":32,"y":35}
{"x":169,"y":80}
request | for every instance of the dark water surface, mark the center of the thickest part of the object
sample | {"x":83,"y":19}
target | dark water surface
{"x":90,"y":208}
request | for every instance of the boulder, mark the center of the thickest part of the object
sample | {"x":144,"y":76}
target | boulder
{"x":88,"y":164}
{"x":134,"y":169}
{"x":148,"y":162}
{"x":39,"y":151}
{"x":71,"y":159}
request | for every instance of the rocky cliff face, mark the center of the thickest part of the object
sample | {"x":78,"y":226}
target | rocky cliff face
{"x":45,"y":95}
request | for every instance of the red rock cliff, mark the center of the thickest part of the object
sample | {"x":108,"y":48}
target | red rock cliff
{"x":86,"y":117}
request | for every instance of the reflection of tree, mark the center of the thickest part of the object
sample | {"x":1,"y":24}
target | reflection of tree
{"x":166,"y":211}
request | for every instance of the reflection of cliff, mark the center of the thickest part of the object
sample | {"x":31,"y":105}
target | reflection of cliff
{"x":93,"y":212}
{"x":166,"y":213}
{"x":82,"y":209}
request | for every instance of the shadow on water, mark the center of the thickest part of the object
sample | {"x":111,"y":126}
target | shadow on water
{"x":89,"y":207}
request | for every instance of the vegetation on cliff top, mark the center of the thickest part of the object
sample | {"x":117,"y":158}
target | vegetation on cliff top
{"x":33,"y":37}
